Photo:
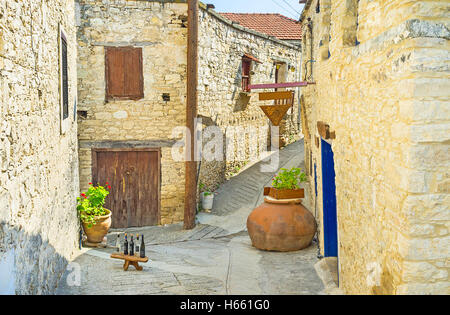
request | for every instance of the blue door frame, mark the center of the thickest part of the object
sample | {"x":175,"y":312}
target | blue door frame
{"x":329,"y":202}
{"x":315,"y":179}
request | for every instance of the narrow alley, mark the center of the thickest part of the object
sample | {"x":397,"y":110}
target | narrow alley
{"x":215,"y":258}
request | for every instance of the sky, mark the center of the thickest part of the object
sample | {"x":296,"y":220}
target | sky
{"x":290,"y":8}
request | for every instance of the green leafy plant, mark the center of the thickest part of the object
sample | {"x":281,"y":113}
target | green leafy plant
{"x":289,"y":179}
{"x":205,"y":192}
{"x":90,"y":204}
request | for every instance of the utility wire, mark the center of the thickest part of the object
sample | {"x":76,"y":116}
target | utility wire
{"x":284,"y":8}
{"x":291,"y":7}
{"x":288,"y":10}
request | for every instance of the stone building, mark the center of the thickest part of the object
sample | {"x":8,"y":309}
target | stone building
{"x":132,"y":95}
{"x":377,"y":129}
{"x":272,"y":24}
{"x":224,"y":48}
{"x":38,"y":144}
{"x":132,"y":91}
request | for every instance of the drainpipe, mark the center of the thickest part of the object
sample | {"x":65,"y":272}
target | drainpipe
{"x":190,"y":201}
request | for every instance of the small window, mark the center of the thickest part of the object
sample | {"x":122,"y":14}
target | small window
{"x":124,"y":73}
{"x":246,"y":77}
{"x":64,"y":81}
{"x":247,"y":70}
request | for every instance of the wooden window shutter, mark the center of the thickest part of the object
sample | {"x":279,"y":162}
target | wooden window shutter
{"x":124,"y":73}
{"x":246,"y":66}
{"x":133,"y":73}
{"x":114,"y":72}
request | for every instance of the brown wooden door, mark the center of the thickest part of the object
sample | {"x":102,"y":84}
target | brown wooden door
{"x":135,"y":187}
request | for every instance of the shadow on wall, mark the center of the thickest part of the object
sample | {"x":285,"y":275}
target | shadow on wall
{"x":28,"y":264}
{"x":212,"y":173}
{"x":219,"y":167}
{"x":242,"y":102}
{"x":7,"y":273}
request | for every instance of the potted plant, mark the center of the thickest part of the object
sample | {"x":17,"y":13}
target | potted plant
{"x":286,"y":185}
{"x":207,"y":198}
{"x":95,"y":219}
{"x":282,"y":223}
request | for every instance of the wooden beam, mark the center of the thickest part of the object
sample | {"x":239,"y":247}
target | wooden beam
{"x":276,"y":95}
{"x":190,"y":199}
{"x":248,"y":56}
{"x":110,"y":144}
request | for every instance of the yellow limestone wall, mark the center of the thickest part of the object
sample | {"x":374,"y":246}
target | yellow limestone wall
{"x":38,"y":164}
{"x":159,"y":29}
{"x":387,"y":100}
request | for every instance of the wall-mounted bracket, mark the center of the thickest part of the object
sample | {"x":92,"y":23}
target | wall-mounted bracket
{"x":324,"y":131}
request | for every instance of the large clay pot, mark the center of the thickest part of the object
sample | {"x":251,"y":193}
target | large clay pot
{"x":98,"y":231}
{"x":281,"y":225}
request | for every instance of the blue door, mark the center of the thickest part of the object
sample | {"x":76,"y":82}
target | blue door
{"x":329,"y":201}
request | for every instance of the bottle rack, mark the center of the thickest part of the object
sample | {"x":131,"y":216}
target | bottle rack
{"x":130,"y":260}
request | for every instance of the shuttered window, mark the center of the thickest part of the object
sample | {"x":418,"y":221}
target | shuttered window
{"x":65,"y":78}
{"x":246,"y":66}
{"x":64,"y":117}
{"x":247,"y":60}
{"x":124,"y":73}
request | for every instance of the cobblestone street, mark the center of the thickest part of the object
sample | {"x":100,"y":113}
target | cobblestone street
{"x":215,"y":258}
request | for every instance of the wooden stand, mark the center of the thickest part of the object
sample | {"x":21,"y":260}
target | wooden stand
{"x":130,"y":260}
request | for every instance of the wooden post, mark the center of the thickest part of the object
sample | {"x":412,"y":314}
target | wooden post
{"x":190,"y":201}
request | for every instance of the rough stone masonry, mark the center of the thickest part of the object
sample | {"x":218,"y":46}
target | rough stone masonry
{"x":224,"y":104}
{"x":38,"y":163}
{"x":39,"y":151}
{"x":381,"y":70}
{"x":159,"y":29}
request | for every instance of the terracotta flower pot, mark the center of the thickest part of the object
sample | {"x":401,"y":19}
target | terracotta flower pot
{"x":282,"y":226}
{"x":98,"y":231}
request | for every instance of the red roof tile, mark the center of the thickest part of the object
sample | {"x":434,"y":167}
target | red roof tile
{"x":272,"y":24}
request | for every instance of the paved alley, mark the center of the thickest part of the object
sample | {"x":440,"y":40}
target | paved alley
{"x":214,"y":258}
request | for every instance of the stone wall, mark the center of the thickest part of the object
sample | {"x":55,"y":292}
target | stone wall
{"x":160,"y":29}
{"x":38,"y":165}
{"x":222,"y":102}
{"x":382,"y":86}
